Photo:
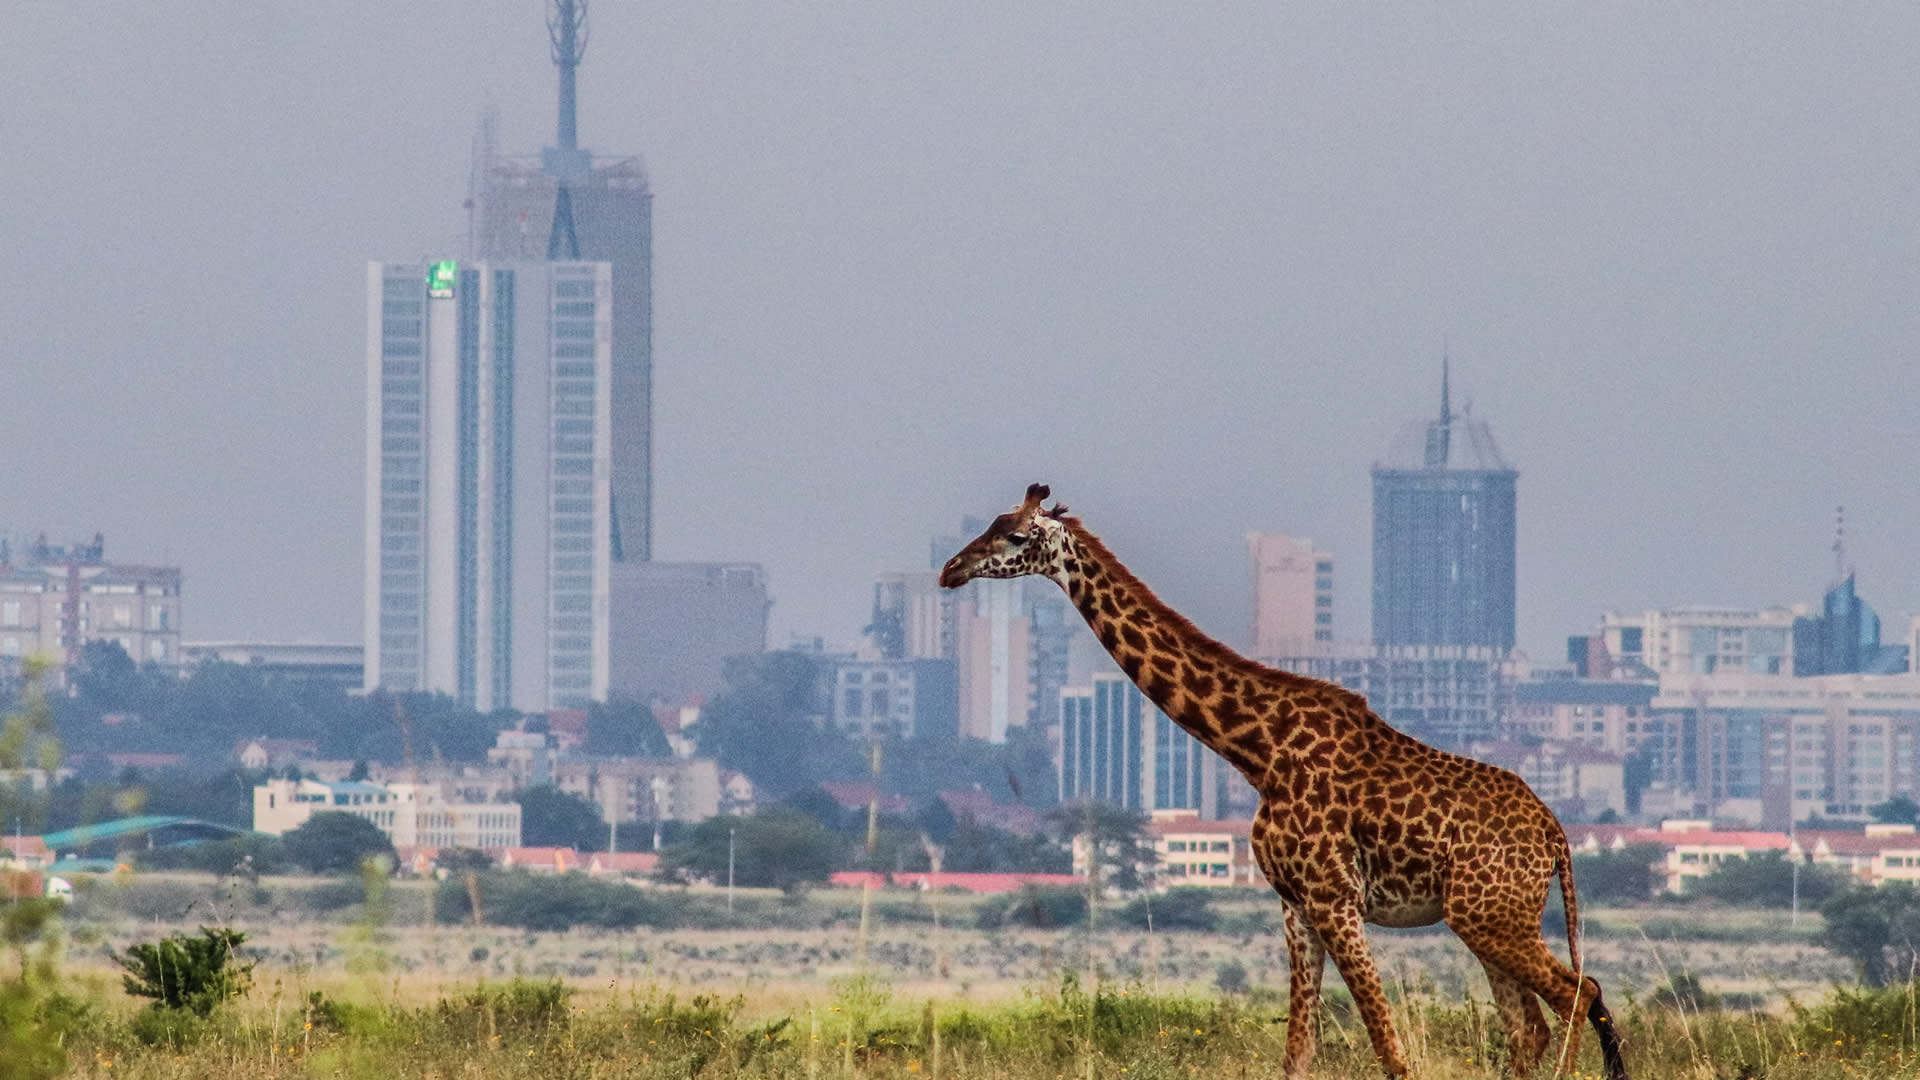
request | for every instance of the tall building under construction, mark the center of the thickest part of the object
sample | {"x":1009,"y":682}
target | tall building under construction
{"x":565,"y":204}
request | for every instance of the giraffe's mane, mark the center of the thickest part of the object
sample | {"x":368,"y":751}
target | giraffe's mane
{"x":1185,"y":628}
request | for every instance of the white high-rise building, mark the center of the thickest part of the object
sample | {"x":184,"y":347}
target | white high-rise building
{"x":488,"y":522}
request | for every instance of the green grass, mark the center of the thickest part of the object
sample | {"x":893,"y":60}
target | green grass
{"x":541,"y":1030}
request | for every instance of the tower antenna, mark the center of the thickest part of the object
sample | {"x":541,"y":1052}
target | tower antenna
{"x":1839,"y":544}
{"x":567,"y":31}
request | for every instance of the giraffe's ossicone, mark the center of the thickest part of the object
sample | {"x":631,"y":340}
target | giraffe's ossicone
{"x":1357,"y":823}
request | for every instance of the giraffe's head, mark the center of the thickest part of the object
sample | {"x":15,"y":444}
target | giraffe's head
{"x":1024,"y":540}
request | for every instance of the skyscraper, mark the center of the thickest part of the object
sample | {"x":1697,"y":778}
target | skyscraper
{"x":565,"y":204}
{"x":1292,"y":593}
{"x":1444,"y":535}
{"x":488,"y":484}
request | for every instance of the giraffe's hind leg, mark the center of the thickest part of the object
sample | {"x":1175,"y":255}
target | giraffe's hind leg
{"x":1511,"y":944}
{"x":1306,"y":962}
{"x":1494,"y":903}
{"x":1527,"y":1031}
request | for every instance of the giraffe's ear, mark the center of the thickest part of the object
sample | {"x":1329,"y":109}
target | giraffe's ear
{"x":1036,"y":494}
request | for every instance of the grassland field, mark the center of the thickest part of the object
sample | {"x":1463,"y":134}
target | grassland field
{"x":794,"y":987}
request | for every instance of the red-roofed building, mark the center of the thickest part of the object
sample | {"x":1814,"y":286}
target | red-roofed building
{"x":623,"y":863}
{"x":1877,"y":854}
{"x":417,"y":861}
{"x":985,"y":884}
{"x":541,"y":860}
{"x":25,"y":853}
{"x":1197,"y":851}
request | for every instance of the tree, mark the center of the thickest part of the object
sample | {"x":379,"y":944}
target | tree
{"x":774,"y":848}
{"x":1122,"y":846}
{"x":550,"y":817}
{"x":1898,"y":810}
{"x":190,"y":973}
{"x":625,"y":729}
{"x":332,"y":841}
{"x":762,"y":723}
{"x":1626,"y":876}
{"x":1878,"y":928}
{"x":459,"y":860}
{"x":1765,"y":879}
{"x":982,"y":849}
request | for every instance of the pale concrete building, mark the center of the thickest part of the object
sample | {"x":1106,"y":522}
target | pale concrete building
{"x":913,"y":617}
{"x":54,"y":599}
{"x":1775,"y":749}
{"x":1701,"y":640}
{"x":627,"y":790}
{"x":525,"y":756}
{"x":1576,"y":779}
{"x":1448,"y":695}
{"x":410,"y":814}
{"x":488,"y":532}
{"x":1614,"y":715}
{"x":993,"y":645}
{"x":902,"y":698}
{"x":1292,"y":593}
{"x":335,"y":662}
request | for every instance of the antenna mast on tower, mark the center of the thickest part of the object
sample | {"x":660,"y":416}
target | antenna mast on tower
{"x":567,"y":31}
{"x":1839,"y":544}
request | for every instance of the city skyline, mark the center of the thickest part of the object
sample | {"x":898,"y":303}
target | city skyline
{"x":1694,"y":345}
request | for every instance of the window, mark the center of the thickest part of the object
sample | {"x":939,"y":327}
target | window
{"x":10,"y":613}
{"x":854,"y":699}
{"x":158,"y":617}
{"x":156,"y":649}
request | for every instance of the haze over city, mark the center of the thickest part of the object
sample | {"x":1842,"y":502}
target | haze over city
{"x":1193,"y":268}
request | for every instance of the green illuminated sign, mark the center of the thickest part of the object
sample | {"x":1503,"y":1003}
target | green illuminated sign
{"x":440,"y":278}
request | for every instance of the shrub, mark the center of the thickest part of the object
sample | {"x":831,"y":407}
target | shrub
{"x":549,"y":902}
{"x":193,"y":974}
{"x":1189,"y":908}
{"x":1038,"y":906}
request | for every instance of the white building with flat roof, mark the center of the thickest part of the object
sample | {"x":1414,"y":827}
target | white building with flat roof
{"x":488,"y":505}
{"x":410,"y":814}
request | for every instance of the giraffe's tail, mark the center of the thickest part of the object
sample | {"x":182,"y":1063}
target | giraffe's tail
{"x":1597,"y":1013}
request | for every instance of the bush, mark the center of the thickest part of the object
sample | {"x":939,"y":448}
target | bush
{"x":549,"y":902}
{"x":1626,"y":876}
{"x":1189,"y":908}
{"x":193,"y":974}
{"x":333,"y":842}
{"x":1766,"y":880}
{"x":1038,"y":906}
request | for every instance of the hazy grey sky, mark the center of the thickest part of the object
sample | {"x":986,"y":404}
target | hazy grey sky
{"x":1190,"y":264}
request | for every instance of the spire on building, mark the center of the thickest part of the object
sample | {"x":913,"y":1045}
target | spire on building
{"x":567,"y":31}
{"x":1839,"y":544}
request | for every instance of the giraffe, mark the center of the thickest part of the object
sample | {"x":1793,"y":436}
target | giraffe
{"x":1357,"y":822}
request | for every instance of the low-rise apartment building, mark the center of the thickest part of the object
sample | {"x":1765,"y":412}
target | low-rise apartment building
{"x":410,"y":814}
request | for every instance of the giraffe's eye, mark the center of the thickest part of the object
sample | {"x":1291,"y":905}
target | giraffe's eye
{"x":1016,"y":539}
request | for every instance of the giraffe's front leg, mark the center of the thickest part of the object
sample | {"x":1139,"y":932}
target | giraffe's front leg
{"x":1306,"y":960}
{"x":1344,"y":933}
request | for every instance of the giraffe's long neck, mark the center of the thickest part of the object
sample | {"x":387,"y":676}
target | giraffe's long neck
{"x":1231,"y":705}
